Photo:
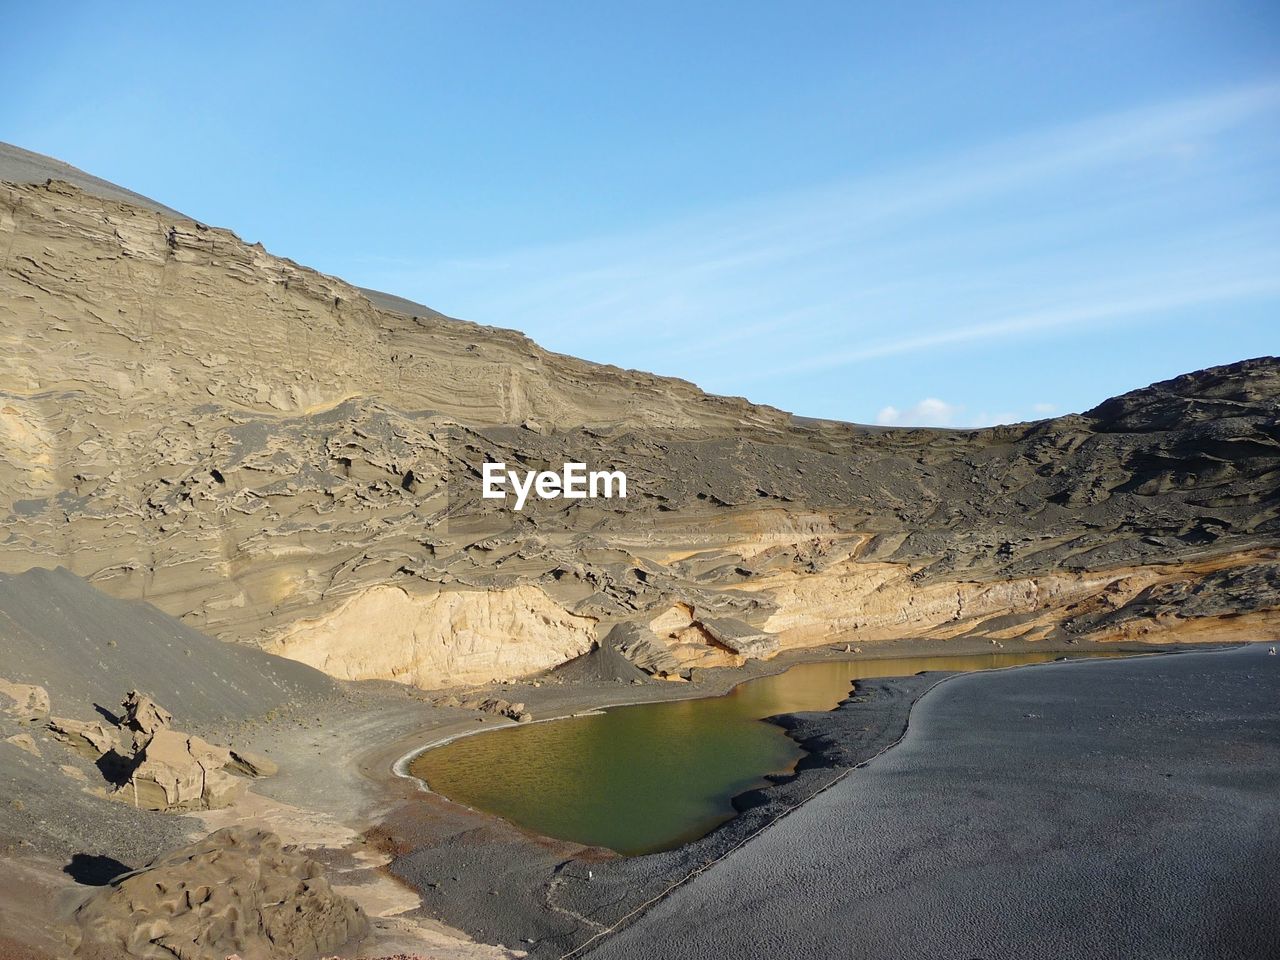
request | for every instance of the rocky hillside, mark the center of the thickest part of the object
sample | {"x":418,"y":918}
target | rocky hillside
{"x":277,"y":457}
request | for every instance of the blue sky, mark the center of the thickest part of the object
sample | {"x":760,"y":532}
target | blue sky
{"x":919,"y":212}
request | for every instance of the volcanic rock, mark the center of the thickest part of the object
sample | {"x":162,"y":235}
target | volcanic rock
{"x":249,"y":764}
{"x":92,"y":740}
{"x":144,"y":715}
{"x":341,"y":483}
{"x":24,"y":702}
{"x":177,"y":771}
{"x":238,"y":890}
{"x":740,"y":637}
{"x":638,"y":644}
{"x":158,"y":768}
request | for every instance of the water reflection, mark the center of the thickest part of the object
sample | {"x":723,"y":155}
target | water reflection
{"x":650,"y":777}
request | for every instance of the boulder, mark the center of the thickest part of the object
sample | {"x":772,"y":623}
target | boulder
{"x":742,"y":638}
{"x":144,"y":715}
{"x":503,"y":708}
{"x":156,"y":767}
{"x":642,"y":647}
{"x":252,"y":764}
{"x":165,"y":775}
{"x":91,"y":740}
{"x":177,"y":771}
{"x":221,"y":789}
{"x":237,"y":891}
{"x":24,"y":702}
{"x":210,"y":756}
{"x":495,"y":706}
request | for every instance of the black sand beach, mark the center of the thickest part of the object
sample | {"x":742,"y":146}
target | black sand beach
{"x":1094,"y":809}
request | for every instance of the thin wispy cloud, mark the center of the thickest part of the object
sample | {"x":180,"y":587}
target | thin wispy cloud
{"x":1090,"y":313}
{"x":1117,"y":219}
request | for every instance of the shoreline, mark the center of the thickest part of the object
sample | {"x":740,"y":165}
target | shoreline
{"x":558,"y":923}
{"x":400,"y":767}
{"x":803,"y":655}
{"x":827,"y":757}
{"x":465,"y":884}
{"x":980,"y":772}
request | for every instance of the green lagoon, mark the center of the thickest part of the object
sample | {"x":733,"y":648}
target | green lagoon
{"x":650,"y":777}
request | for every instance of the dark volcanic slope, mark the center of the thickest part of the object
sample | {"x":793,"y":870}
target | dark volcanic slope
{"x":24,"y":166}
{"x":1118,"y":809}
{"x":88,"y":649}
{"x":274,"y":455}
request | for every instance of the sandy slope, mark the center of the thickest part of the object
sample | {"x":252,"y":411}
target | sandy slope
{"x":61,"y":839}
{"x":90,"y":649}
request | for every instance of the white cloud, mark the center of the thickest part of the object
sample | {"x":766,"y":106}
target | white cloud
{"x":929,"y":412}
{"x":932,"y":412}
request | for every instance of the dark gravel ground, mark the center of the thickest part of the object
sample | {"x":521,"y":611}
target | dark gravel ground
{"x":1122,"y":808}
{"x":500,"y":884}
{"x":88,"y":650}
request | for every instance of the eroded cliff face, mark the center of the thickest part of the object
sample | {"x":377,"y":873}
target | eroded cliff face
{"x":878,"y":601}
{"x":264,"y":452}
{"x":452,"y":637}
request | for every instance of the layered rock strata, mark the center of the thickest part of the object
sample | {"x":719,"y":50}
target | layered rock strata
{"x":269,"y":454}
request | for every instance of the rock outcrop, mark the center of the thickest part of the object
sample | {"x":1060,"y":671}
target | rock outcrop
{"x":142,"y":715}
{"x":740,"y":638}
{"x":154,"y":767}
{"x":642,"y":647}
{"x":280,"y":458}
{"x":24,"y":702}
{"x":91,"y":739}
{"x":238,"y":890}
{"x":249,"y":764}
{"x":495,"y":706}
{"x":442,"y":638}
{"x":176,"y":771}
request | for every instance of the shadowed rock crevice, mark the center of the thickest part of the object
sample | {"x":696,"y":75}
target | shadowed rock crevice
{"x":94,"y":870}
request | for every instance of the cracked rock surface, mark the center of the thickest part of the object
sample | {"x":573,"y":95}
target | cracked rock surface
{"x":239,"y":890}
{"x":280,"y":458}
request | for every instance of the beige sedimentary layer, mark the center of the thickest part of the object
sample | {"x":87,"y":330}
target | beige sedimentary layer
{"x":439,"y":639}
{"x":260,"y":450}
{"x":879,"y":601}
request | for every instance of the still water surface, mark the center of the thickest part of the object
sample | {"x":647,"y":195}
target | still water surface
{"x":650,"y":777}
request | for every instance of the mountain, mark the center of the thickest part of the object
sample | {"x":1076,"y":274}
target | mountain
{"x":279,"y":458}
